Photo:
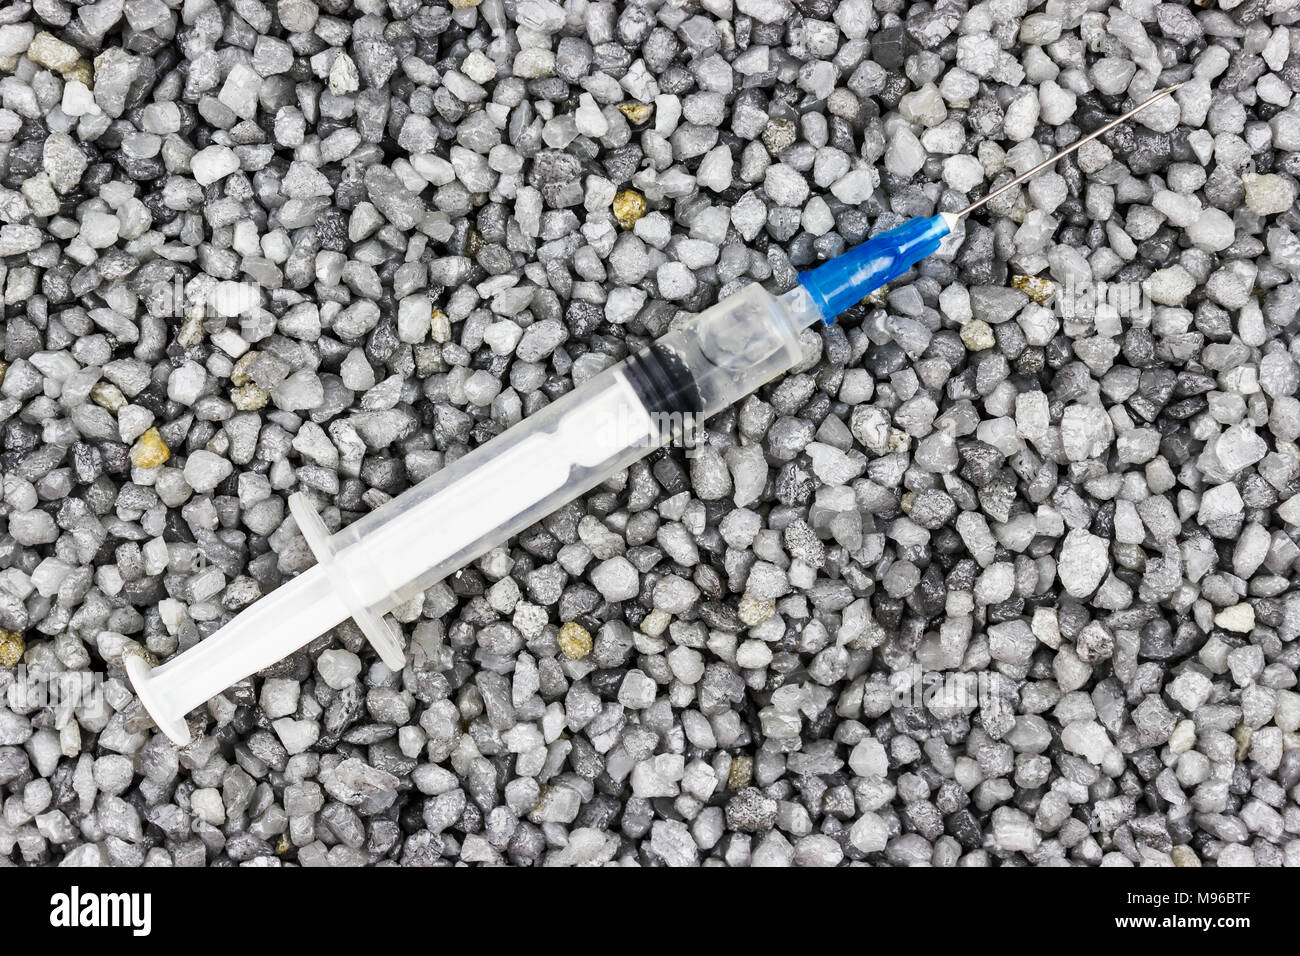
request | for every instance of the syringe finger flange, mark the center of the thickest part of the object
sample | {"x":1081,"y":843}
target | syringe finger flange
{"x":167,"y":716}
{"x":371,"y":622}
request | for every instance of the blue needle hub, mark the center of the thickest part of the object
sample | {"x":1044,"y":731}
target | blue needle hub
{"x":846,"y":280}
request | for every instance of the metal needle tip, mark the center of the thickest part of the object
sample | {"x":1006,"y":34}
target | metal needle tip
{"x":1161,"y":94}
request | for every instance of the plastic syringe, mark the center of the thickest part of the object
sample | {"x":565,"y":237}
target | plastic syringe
{"x":518,"y":478}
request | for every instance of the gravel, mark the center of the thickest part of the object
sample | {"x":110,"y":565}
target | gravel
{"x":1002,"y":572}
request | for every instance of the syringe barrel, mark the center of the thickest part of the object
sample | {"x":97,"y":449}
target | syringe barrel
{"x":570,"y":446}
{"x":494,"y":492}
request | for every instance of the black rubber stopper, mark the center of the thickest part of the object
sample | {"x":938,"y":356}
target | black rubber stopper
{"x":663,"y":383}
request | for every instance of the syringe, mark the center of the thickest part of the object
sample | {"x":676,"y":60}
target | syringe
{"x":518,"y":478}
